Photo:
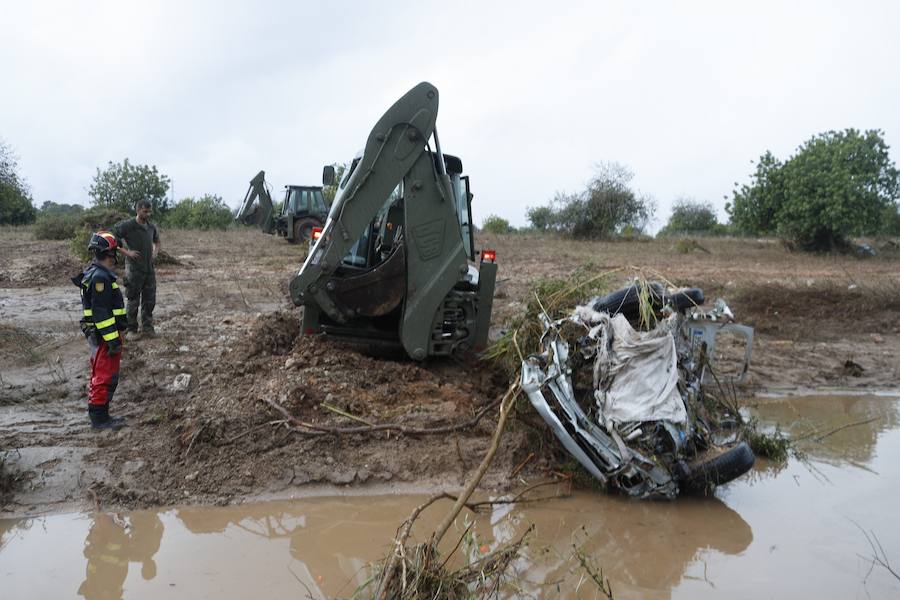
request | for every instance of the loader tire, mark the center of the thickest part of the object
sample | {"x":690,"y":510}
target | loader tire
{"x":702,"y":476}
{"x":303,"y":229}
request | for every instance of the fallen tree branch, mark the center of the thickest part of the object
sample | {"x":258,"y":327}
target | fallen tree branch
{"x":397,"y":556}
{"x":313,"y":430}
{"x":343,"y":413}
{"x":505,"y":406}
{"x":252,"y":429}
{"x":819,"y":437}
{"x":400,"y":542}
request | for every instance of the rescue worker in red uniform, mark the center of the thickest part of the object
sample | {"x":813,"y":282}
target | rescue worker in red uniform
{"x":104,"y":318}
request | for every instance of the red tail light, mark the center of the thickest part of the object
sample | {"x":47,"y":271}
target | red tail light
{"x":316,"y":233}
{"x":488,"y":256}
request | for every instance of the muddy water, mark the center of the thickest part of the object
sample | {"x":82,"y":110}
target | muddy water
{"x":794,"y":531}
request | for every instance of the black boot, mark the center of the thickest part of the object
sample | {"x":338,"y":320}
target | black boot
{"x":100,"y":418}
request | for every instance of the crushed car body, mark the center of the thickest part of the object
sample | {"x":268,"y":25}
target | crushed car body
{"x":636,"y":427}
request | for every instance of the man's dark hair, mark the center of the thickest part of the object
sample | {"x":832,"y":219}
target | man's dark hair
{"x":143,"y":204}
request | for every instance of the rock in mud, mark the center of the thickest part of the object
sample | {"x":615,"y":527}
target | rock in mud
{"x":182,"y":382}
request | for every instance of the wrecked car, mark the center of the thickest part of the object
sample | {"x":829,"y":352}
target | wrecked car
{"x":627,"y":402}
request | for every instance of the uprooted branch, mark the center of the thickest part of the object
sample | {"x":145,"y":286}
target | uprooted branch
{"x":313,"y":430}
{"x":426,"y":568}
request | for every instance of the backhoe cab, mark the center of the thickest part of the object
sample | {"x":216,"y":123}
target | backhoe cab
{"x":302,"y":211}
{"x":395,"y":263}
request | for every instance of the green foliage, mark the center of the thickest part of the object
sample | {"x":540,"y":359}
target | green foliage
{"x":330,"y":191}
{"x":53,"y":208}
{"x":691,"y":217}
{"x":755,"y":207}
{"x":98,"y":218}
{"x":837,"y":185}
{"x":57,"y":221}
{"x":495,"y":224}
{"x":121,"y":185}
{"x":606,"y":208}
{"x":78,"y":244}
{"x":540,"y":217}
{"x":890,"y":221}
{"x":556,"y":297}
{"x":16,"y":207}
{"x":55,"y":226}
{"x":207,"y":212}
{"x":775,"y":445}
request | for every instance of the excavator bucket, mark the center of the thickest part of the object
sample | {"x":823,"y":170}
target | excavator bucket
{"x":257,"y":208}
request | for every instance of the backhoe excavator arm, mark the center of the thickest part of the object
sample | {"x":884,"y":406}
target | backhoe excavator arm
{"x":257,"y":207}
{"x":393,"y":147}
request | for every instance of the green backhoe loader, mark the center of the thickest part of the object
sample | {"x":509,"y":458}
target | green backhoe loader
{"x":302,"y":210}
{"x":395,"y":261}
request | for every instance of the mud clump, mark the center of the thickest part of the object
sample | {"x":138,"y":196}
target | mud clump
{"x":273,"y":334}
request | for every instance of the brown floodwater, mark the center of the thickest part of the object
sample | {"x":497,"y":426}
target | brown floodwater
{"x":793,"y":531}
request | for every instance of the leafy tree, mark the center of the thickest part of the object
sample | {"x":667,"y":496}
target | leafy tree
{"x":890,"y":221}
{"x":495,"y":224}
{"x":755,"y":206}
{"x":16,"y":207}
{"x":691,"y":217}
{"x":53,"y":208}
{"x":837,"y":185}
{"x":607,"y":207}
{"x":207,"y":212}
{"x":541,"y":217}
{"x":121,"y":185}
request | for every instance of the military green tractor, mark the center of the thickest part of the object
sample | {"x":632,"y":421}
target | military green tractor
{"x":395,"y":262}
{"x":303,"y":210}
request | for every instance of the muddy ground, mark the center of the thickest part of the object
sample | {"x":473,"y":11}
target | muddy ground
{"x":224,"y":319}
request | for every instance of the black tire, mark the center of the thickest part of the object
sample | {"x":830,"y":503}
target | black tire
{"x":303,"y":229}
{"x":626,"y":301}
{"x":706,"y":474}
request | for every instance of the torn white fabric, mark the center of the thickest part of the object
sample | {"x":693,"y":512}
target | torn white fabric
{"x":635,"y":373}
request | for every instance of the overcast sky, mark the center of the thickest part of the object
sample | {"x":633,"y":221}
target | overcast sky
{"x":533,"y":94}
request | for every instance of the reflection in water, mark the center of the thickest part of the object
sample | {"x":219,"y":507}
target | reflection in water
{"x":111,"y":545}
{"x":850,"y":425}
{"x":792,"y":530}
{"x":640,"y":545}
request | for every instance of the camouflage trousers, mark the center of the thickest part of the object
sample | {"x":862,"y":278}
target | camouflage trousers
{"x":140,"y":291}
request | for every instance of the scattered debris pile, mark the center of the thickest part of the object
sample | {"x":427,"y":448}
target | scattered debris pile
{"x":627,"y":403}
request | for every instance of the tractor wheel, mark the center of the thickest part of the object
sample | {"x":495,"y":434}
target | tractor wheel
{"x":303,"y":229}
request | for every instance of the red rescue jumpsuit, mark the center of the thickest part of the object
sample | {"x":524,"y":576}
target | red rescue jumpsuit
{"x":104,"y":317}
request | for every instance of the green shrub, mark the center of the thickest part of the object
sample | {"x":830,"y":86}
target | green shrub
{"x":78,"y":244}
{"x":55,"y":226}
{"x":99,"y":218}
{"x":16,"y":206}
{"x":208,"y":212}
{"x":102,"y":218}
{"x":691,"y":217}
{"x":495,"y":224}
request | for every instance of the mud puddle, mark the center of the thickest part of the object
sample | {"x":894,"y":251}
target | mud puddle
{"x":795,"y":530}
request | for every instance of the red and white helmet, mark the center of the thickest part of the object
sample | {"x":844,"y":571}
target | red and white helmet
{"x":102,"y":243}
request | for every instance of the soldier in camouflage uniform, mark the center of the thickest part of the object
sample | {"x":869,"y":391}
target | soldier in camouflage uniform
{"x":141,"y":239}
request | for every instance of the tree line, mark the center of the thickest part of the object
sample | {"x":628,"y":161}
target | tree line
{"x":836,"y":186}
{"x":113,"y":193}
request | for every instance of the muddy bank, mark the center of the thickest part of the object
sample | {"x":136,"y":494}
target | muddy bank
{"x":692,"y":548}
{"x":224,"y":320}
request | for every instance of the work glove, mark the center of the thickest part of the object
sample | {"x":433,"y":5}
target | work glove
{"x":115,"y":346}
{"x":86,"y":329}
